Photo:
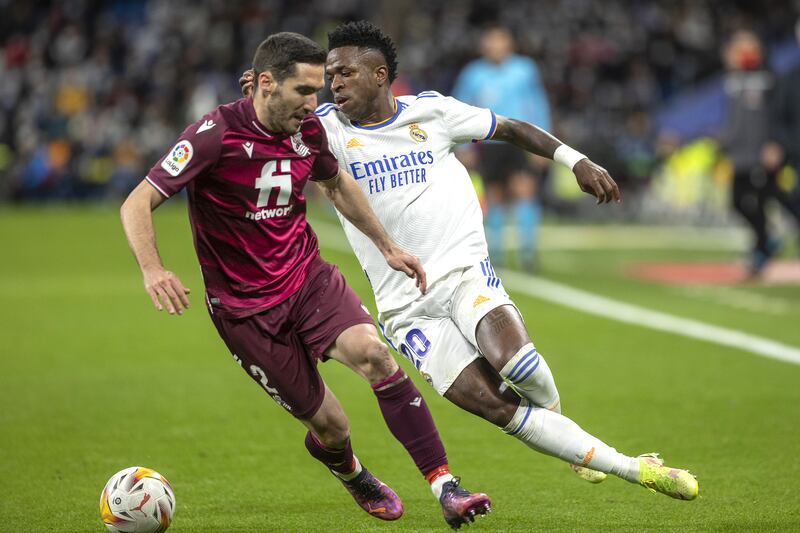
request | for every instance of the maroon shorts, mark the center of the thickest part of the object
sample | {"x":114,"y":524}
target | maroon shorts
{"x":279,"y":347}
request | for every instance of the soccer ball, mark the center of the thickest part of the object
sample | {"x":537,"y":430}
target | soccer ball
{"x":137,"y":500}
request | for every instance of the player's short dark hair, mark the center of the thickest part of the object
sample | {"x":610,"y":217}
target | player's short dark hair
{"x":364,"y":34}
{"x":280,"y":52}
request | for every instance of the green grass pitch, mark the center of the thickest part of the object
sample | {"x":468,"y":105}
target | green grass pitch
{"x":93,"y":380}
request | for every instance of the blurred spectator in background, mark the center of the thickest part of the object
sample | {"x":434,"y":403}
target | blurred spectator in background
{"x":510,"y":85}
{"x":91,"y":90}
{"x":784,"y":146}
{"x":749,"y":86}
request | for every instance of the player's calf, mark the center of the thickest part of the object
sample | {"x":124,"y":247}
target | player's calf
{"x":410,"y":421}
{"x":480,"y":391}
{"x":554,"y":434}
{"x":329,"y":424}
{"x":403,"y":408}
{"x":528,"y":372}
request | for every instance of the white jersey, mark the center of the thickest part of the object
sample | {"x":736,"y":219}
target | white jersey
{"x":420,"y":192}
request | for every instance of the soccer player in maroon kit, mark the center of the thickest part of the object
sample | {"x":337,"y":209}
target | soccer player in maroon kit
{"x":276,"y":304}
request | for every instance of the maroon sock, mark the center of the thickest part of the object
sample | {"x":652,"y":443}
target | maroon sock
{"x":338,"y":460}
{"x":410,"y":421}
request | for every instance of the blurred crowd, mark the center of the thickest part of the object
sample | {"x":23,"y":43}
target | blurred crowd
{"x":93,"y":92}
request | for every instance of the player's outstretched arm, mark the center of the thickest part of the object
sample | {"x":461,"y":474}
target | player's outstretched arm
{"x":349,"y":200}
{"x":592,"y":178}
{"x":164,"y":287}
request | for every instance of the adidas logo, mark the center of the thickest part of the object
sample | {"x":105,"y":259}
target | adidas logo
{"x":479,"y":300}
{"x":354,"y":143}
{"x":416,"y":402}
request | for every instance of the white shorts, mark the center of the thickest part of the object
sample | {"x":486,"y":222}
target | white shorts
{"x":436,"y":331}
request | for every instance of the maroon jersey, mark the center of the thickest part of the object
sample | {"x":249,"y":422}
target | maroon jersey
{"x":246,"y":204}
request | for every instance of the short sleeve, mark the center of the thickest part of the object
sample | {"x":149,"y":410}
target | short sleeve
{"x":196,"y":152}
{"x":326,"y":166}
{"x":467,"y":123}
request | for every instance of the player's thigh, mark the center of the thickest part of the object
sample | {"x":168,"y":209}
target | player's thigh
{"x":478,"y":294}
{"x":435,"y":346}
{"x":280,"y":364}
{"x":326,"y":307}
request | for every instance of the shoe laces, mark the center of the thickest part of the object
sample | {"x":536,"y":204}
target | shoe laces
{"x":369,"y":488}
{"x":454,"y":487}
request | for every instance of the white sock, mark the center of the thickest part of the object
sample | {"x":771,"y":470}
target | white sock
{"x":352,"y":475}
{"x":439,"y":482}
{"x":554,"y":434}
{"x":529,"y":374}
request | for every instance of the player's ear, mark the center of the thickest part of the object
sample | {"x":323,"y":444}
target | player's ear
{"x":382,"y":75}
{"x":266,"y":82}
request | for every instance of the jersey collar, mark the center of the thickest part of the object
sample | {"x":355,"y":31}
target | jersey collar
{"x":398,"y":108}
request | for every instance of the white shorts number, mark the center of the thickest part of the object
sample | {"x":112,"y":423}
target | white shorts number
{"x":416,"y":347}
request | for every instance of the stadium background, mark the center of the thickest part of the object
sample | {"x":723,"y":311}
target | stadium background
{"x":92,"y":380}
{"x":93,"y":91}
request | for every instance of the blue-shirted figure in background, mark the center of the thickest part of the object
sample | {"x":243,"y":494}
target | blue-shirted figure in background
{"x":510,"y":85}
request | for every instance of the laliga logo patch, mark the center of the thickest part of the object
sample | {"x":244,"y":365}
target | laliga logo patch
{"x":178,"y":158}
{"x":417,"y":133}
{"x":298,"y":146}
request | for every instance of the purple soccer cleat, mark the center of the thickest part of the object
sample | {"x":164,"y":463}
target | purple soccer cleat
{"x":374,"y":496}
{"x":460,"y":505}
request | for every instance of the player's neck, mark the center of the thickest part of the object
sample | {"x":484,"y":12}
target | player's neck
{"x":385,"y":108}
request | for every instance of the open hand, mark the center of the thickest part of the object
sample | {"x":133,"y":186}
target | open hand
{"x":166,"y":290}
{"x":403,"y":261}
{"x":595,"y":180}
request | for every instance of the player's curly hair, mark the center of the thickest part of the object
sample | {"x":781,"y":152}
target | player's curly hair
{"x":365,"y":34}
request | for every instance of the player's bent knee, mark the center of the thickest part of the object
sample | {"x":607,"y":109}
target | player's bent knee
{"x":361,"y":349}
{"x":375,"y":362}
{"x":382,"y":364}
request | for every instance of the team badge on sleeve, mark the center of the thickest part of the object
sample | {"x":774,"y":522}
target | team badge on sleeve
{"x":417,"y":133}
{"x":178,"y":158}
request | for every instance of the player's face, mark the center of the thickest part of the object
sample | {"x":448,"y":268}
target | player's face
{"x":294,"y":98}
{"x":356,"y":76}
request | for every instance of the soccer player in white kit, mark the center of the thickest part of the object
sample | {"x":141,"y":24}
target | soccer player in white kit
{"x":465,"y":335}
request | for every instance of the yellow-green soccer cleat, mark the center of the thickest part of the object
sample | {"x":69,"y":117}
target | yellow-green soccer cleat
{"x":674,"y":482}
{"x":587,"y":474}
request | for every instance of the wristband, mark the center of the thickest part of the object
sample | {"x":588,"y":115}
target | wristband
{"x":567,"y":156}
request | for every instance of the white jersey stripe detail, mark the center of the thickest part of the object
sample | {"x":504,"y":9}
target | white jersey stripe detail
{"x":155,"y":185}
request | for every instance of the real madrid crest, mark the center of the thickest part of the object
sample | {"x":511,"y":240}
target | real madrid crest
{"x":417,"y":133}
